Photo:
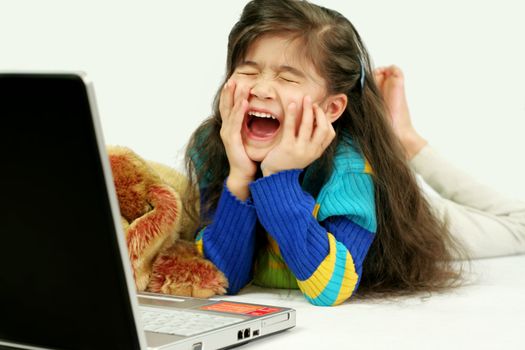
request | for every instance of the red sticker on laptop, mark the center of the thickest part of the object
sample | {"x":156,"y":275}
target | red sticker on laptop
{"x":242,"y":309}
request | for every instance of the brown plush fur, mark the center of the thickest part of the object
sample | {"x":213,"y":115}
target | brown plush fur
{"x":153,"y":219}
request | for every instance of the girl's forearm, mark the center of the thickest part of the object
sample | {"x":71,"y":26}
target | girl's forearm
{"x":229,"y":240}
{"x":325,"y":268}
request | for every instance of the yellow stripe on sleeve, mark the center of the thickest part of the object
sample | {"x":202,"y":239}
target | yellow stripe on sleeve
{"x":368,"y":168}
{"x":199,"y":243}
{"x":334,"y":279}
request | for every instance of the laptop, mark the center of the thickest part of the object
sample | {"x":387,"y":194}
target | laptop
{"x":65,"y":278}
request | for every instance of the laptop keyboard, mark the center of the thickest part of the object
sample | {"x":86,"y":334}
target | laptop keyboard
{"x":183,"y":323}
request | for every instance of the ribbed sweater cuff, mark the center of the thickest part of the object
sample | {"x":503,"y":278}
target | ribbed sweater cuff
{"x":285,"y":211}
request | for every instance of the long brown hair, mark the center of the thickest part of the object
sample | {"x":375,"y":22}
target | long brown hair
{"x":412,"y":250}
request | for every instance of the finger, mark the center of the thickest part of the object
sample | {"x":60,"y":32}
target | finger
{"x":307,"y":120}
{"x":322,"y":126}
{"x":238,"y":115}
{"x":226,"y":99}
{"x":231,"y":127}
{"x":290,"y":118}
{"x":240,"y":94}
{"x":330,"y":132}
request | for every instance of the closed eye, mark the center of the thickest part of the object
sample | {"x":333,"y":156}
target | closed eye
{"x":289,"y":80}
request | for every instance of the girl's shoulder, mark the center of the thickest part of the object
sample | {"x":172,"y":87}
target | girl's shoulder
{"x":349,"y":159}
{"x":349,"y":191}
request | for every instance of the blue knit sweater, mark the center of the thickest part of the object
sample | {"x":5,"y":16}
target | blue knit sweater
{"x":316,"y":244}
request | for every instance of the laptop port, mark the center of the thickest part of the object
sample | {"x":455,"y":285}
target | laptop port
{"x":239,"y":335}
{"x":255,"y":332}
{"x":247,"y":333}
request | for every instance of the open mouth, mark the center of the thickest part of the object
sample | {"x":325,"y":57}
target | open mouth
{"x":262,"y":125}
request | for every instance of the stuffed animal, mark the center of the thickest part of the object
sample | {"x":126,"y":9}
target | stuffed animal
{"x":163,"y":256}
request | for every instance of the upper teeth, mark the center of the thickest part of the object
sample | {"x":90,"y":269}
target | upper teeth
{"x":261,"y":115}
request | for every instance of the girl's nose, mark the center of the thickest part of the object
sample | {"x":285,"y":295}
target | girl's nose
{"x":262,"y":89}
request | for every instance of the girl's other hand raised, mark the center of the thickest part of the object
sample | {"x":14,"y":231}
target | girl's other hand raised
{"x":299,"y":147}
{"x":233,"y":105}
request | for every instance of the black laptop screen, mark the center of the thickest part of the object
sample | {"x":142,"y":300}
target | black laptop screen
{"x":61,"y":277}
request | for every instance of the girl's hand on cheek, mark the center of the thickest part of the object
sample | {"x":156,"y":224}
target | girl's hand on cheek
{"x":297,"y":150}
{"x":233,"y":105}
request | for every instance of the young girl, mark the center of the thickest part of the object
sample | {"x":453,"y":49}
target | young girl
{"x":300,"y":175}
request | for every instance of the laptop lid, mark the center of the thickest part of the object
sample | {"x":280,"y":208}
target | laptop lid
{"x":62,"y":282}
{"x":65,"y":278}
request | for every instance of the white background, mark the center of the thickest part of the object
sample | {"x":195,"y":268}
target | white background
{"x":157,"y":64}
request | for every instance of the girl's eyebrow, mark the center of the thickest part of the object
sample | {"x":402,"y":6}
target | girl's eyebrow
{"x":281,"y":68}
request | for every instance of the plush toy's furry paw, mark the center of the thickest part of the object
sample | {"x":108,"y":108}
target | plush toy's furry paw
{"x":181,"y":270}
{"x":152,"y":218}
{"x":151,"y":210}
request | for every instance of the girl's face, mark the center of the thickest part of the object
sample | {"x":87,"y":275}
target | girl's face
{"x":274,"y":75}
